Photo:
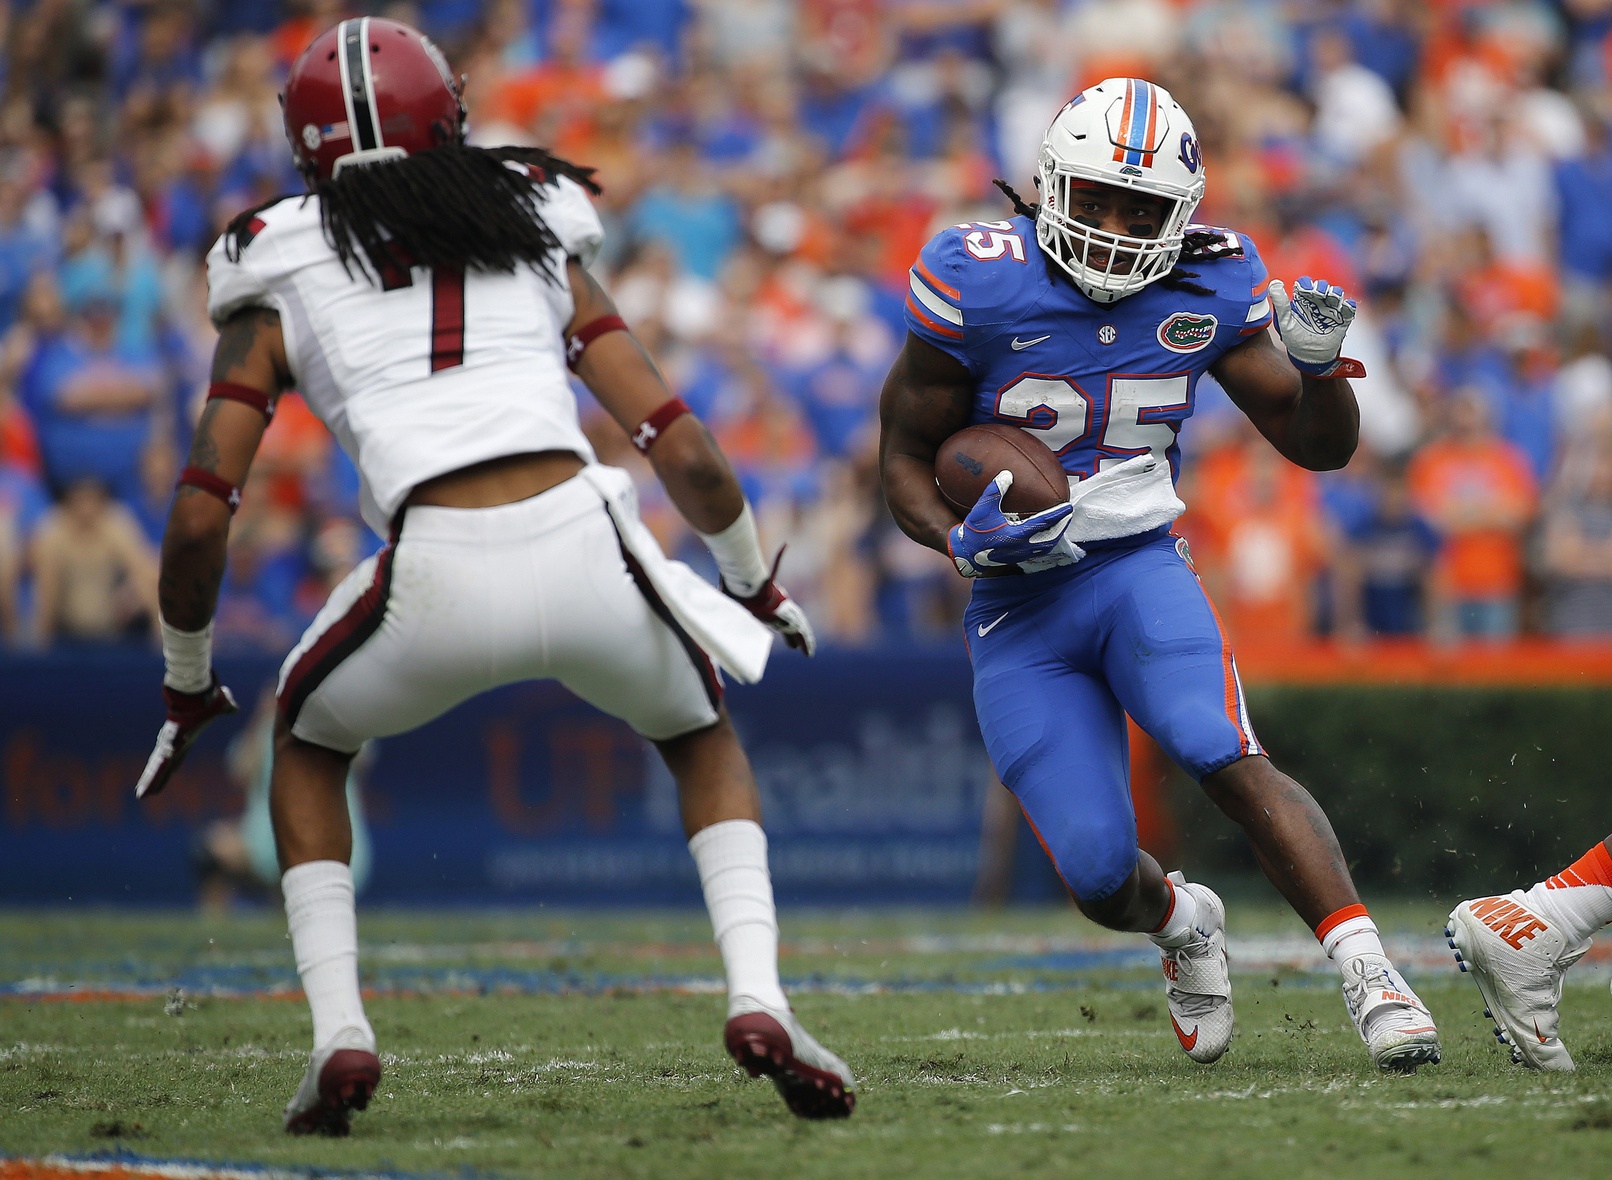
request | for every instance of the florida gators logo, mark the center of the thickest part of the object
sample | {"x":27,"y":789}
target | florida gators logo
{"x":1187,"y":332}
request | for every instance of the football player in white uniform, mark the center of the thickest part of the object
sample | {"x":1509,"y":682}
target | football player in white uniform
{"x":425,"y":297}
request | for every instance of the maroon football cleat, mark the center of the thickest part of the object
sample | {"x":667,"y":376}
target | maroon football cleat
{"x":815,"y":1083}
{"x":341,"y":1078}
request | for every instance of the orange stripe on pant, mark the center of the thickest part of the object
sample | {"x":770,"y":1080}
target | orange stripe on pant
{"x":1250,"y":744}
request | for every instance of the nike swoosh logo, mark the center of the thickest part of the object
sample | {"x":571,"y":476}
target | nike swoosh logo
{"x":1020,"y":345}
{"x":1543,"y":1039}
{"x":1187,"y":1043}
{"x":986,"y":629}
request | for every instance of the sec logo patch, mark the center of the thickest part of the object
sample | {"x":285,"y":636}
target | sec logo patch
{"x":1107,"y":334}
{"x":1187,"y":331}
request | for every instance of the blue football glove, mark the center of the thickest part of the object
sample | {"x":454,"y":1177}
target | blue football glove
{"x":992,"y":542}
{"x":1312,"y":324}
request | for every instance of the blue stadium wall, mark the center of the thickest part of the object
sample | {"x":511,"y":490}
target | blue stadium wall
{"x":871,"y":770}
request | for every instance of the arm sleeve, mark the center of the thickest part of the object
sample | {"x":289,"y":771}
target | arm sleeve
{"x":570,"y":214}
{"x":232,"y":285}
{"x":1259,"y":313}
{"x":934,"y":308}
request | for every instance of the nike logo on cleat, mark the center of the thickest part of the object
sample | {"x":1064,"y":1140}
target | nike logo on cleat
{"x":1020,"y":345}
{"x":1543,"y":1039}
{"x":1507,"y":919}
{"x":986,"y":628}
{"x":1187,"y":1042}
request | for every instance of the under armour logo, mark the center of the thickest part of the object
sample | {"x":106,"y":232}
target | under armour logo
{"x":573,"y":349}
{"x":645,"y":435}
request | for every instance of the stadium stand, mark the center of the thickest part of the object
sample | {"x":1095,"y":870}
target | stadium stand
{"x":770,"y":170}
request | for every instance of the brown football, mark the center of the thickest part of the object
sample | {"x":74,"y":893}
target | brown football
{"x":970,"y":459}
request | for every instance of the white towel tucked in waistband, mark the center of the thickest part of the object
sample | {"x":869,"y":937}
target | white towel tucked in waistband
{"x":1132,"y":497}
{"x":729,"y":634}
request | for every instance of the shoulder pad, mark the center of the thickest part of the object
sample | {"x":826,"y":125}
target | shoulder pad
{"x":569,"y":212}
{"x":245,"y":226}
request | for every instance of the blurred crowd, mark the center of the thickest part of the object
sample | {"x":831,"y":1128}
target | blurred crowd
{"x":771,"y":168}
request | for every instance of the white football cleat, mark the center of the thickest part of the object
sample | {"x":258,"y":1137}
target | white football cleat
{"x":341,"y":1077}
{"x":1517,"y":958}
{"x":814,"y":1083}
{"x":1395,"y":1025}
{"x":1198,"y":980}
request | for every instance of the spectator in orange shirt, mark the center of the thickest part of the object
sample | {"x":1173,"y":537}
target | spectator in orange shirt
{"x":554,"y":102}
{"x":1258,"y":525}
{"x":1478,"y":492}
{"x":1501,"y":291}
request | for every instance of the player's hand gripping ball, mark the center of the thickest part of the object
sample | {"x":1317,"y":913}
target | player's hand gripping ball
{"x":991,"y":542}
{"x":1312,"y":323}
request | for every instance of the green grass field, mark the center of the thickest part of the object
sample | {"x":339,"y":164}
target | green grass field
{"x":540,"y":1044}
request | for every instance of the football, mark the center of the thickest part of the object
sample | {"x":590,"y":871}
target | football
{"x":970,"y":459}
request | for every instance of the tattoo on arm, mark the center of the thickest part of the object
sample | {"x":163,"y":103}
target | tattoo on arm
{"x":227,"y":436}
{"x":238,"y":356}
{"x":187,"y":590}
{"x":204,"y":447}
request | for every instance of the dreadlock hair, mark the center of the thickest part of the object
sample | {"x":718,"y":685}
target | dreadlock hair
{"x":455,"y":206}
{"x":1192,"y":247}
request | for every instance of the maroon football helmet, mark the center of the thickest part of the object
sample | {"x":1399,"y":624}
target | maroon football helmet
{"x":369,"y":89}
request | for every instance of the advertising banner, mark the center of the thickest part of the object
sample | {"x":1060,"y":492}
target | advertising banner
{"x":870,"y":765}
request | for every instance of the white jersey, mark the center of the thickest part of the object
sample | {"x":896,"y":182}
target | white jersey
{"x":427,"y":372}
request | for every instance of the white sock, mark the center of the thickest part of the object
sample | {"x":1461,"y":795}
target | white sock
{"x":1179,"y":925}
{"x":1579,"y":897}
{"x":320,"y":910}
{"x":732,"y":859}
{"x":1351,"y":938}
{"x":1579,"y":910}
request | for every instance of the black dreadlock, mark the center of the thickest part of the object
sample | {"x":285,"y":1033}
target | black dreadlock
{"x":1192,"y":247}
{"x":454,"y":206}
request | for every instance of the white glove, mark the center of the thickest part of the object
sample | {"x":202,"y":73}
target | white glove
{"x":1312,"y":324}
{"x":773,"y":606}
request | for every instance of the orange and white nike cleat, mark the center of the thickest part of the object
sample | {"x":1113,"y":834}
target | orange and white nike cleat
{"x":341,"y":1077}
{"x":814,"y":1083}
{"x":1393,"y":1022}
{"x":1517,"y":957}
{"x":1197,"y":979}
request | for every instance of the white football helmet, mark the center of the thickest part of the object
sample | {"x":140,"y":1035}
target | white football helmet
{"x":1127,"y":133}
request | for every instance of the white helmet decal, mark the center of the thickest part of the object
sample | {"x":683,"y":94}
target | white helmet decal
{"x":1126,"y":133}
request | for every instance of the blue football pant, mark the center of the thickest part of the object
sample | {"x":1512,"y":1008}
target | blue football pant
{"x":1060,"y":658}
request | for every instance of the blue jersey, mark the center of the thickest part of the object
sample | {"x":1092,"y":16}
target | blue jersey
{"x":1100,"y":383}
{"x":1062,"y":656}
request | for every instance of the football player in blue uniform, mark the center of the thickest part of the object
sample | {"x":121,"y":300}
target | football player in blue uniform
{"x":1088,"y":321}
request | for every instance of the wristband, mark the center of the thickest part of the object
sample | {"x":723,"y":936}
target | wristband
{"x":737,"y":550}
{"x":188,"y":657}
{"x":213,"y":485}
{"x":245,"y":394}
{"x":652,"y":427}
{"x":1336,"y":369}
{"x":578,"y":341}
